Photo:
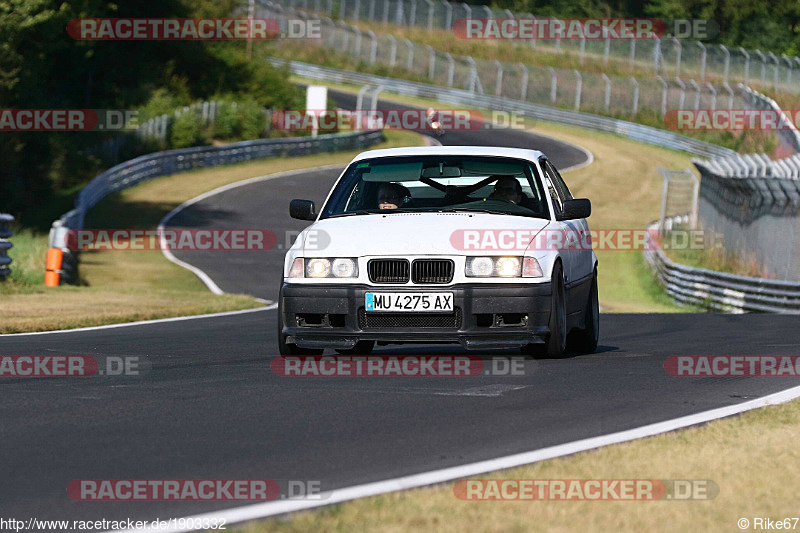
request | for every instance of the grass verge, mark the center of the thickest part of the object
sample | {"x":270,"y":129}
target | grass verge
{"x":126,"y":287}
{"x":746,"y":456}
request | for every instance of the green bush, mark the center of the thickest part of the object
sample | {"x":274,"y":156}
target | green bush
{"x":226,"y":121}
{"x":186,"y":130}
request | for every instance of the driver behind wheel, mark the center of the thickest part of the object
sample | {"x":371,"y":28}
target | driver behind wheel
{"x":508,"y":188}
{"x":392,"y":196}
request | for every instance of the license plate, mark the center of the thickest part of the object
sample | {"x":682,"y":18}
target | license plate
{"x":409,"y":301}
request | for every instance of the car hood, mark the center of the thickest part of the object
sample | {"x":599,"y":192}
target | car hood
{"x":413,"y":234}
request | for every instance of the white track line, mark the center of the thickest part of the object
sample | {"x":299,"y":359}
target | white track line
{"x":148,"y":322}
{"x":205,"y":278}
{"x":267,"y":509}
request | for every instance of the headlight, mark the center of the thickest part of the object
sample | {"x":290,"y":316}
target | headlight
{"x":340,"y":267}
{"x":344,"y":268}
{"x":484,"y":267}
{"x":318,"y":268}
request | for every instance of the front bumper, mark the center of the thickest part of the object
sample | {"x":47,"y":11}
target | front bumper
{"x":486,"y":316}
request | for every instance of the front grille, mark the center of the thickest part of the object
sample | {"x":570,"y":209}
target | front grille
{"x":408,"y":320}
{"x":432,"y":271}
{"x":388,"y":270}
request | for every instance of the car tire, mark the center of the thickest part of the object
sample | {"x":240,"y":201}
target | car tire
{"x":285,"y":348}
{"x":361,"y":348}
{"x":556,"y":342}
{"x":585,"y":340}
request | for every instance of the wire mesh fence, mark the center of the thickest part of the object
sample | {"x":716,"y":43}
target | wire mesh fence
{"x":668,"y":57}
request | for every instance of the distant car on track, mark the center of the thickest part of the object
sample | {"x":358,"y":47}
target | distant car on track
{"x":442,"y":244}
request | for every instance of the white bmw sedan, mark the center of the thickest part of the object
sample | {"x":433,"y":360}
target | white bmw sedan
{"x":481,"y":246}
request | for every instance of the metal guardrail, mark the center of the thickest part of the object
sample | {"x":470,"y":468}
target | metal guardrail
{"x":5,"y":245}
{"x":719,"y":290}
{"x":630,"y":130}
{"x":169,"y":162}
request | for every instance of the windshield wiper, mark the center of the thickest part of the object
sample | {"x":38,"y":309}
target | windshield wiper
{"x":482,"y":210}
{"x":351,"y":213}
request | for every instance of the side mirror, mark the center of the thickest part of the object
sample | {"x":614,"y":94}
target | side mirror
{"x":577,"y":208}
{"x":302,"y":210}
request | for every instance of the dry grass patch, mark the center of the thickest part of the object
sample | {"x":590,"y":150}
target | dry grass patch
{"x":749,"y":457}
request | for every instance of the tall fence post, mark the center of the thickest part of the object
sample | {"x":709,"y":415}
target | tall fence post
{"x":451,"y":65}
{"x":431,"y":61}
{"x":727,"y":62}
{"x":386,"y":11}
{"x":392,"y":51}
{"x":360,"y":97}
{"x":682,"y":98}
{"x":702,"y":61}
{"x":696,"y":88}
{"x":607,"y":95}
{"x":410,"y":62}
{"x":553,"y":84}
{"x":373,"y":47}
{"x":730,"y":95}
{"x":498,"y":89}
{"x":429,"y":3}
{"x":523,"y":92}
{"x":448,"y":18}
{"x":635,"y":106}
{"x":746,"y":64}
{"x":789,"y":69}
{"x":763,"y":59}
{"x":578,"y":87}
{"x":664,"y":89}
{"x":713,"y":92}
{"x":777,"y":61}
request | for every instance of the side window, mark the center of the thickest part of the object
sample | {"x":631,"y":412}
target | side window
{"x":550,"y":181}
{"x":559,"y":182}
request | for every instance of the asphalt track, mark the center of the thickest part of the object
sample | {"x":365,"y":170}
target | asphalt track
{"x":210,"y":406}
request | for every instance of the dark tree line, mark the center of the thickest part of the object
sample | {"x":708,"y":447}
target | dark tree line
{"x":42,"y":67}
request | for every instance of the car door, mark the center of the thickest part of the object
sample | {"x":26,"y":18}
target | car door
{"x":583,"y":264}
{"x":562,"y":228}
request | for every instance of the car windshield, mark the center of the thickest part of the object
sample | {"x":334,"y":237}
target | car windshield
{"x":499,"y":185}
